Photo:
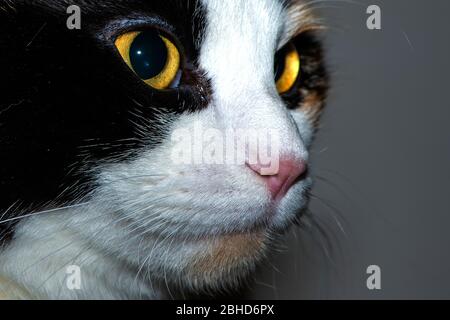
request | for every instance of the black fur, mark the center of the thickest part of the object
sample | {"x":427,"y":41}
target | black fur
{"x":69,"y":101}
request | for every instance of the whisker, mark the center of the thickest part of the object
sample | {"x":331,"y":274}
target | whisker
{"x":325,"y":247}
{"x":333,"y":216}
{"x":44,"y":212}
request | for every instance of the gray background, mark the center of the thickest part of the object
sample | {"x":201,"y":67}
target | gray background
{"x":383,"y":156}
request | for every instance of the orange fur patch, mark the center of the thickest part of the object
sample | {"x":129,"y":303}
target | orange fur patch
{"x":231,"y":250}
{"x":312,"y":105}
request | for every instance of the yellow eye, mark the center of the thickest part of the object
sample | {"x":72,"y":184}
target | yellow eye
{"x":154,"y":58}
{"x":287,"y":68}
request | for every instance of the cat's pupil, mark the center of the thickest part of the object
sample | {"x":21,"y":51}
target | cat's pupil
{"x":148,"y":54}
{"x":279,"y":65}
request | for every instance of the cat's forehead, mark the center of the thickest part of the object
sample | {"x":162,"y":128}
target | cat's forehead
{"x":283,"y":18}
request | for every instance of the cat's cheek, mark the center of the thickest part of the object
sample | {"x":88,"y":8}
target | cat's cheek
{"x":305,"y":124}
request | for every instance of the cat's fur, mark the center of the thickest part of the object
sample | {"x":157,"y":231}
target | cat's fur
{"x":79,"y":130}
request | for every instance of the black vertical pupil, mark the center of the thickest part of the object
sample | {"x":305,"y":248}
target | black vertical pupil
{"x":148,"y":54}
{"x":279,"y":66}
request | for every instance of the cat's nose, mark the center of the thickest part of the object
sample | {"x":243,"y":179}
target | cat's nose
{"x":279,"y":181}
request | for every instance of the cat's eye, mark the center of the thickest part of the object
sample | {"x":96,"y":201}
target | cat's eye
{"x":287,"y":68}
{"x":153,"y":57}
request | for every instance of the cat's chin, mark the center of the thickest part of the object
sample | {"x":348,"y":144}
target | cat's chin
{"x":229,"y":260}
{"x":216,"y":264}
{"x":223,"y":261}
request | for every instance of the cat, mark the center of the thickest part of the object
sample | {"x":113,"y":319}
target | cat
{"x":92,"y":204}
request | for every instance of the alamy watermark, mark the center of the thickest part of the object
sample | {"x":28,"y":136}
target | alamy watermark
{"x":73,"y":277}
{"x":74,"y":19}
{"x":374,"y":20}
{"x":374,"y":280}
{"x":199,"y":145}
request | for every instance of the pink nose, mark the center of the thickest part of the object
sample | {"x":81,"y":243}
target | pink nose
{"x":281,"y":181}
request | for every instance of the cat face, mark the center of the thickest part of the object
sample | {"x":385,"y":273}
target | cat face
{"x":93,"y":116}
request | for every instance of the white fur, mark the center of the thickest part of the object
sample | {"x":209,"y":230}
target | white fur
{"x":151,"y":221}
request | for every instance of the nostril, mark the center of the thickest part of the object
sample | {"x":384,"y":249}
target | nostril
{"x":280,"y":181}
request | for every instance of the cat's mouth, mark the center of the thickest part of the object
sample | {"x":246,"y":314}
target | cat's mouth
{"x":241,"y":214}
